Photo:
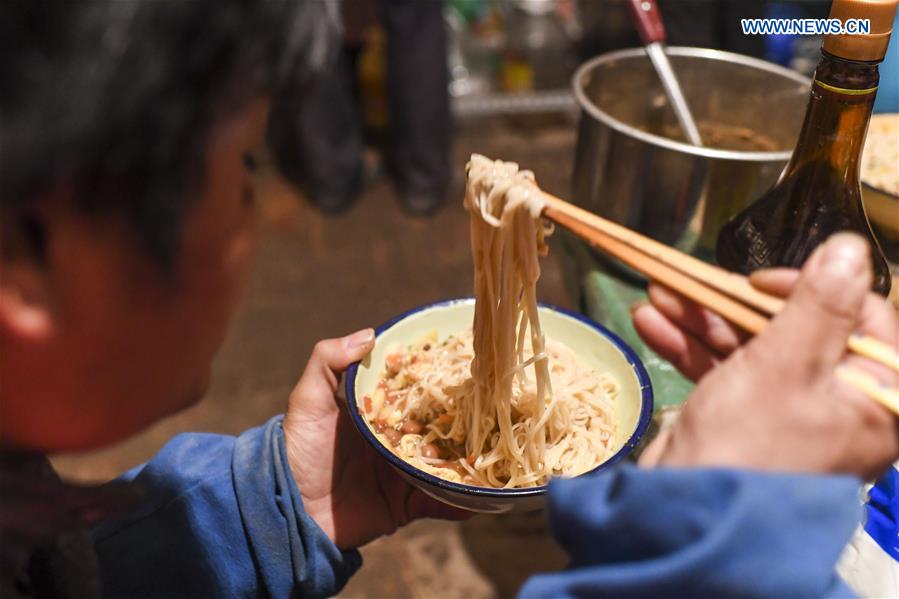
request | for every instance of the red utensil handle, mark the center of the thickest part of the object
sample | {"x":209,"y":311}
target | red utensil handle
{"x":648,"y":20}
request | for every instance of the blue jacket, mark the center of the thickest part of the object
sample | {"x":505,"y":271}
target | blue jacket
{"x":223,"y":517}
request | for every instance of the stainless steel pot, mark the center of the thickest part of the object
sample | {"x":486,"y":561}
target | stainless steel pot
{"x":628,"y":171}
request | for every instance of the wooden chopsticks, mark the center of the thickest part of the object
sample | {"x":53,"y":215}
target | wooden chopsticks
{"x":726,"y":293}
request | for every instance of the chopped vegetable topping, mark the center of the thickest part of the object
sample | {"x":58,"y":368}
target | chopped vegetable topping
{"x":394,"y":364}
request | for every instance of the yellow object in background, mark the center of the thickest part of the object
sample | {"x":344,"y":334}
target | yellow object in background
{"x":372,"y":73}
{"x":518,"y":76}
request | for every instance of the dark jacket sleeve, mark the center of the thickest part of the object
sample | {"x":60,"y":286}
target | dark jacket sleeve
{"x":222,"y":517}
{"x":697,"y":533}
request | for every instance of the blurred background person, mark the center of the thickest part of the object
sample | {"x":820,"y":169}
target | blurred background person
{"x":318,"y":136}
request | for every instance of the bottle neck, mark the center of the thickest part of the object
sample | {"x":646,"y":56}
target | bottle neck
{"x":837,"y":117}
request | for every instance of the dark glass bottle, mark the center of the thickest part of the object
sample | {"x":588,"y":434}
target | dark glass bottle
{"x":818,"y":193}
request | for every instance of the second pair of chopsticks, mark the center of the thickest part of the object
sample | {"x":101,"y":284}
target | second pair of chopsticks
{"x":728,"y":294}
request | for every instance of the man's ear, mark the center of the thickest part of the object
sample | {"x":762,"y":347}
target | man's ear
{"x":25,"y":299}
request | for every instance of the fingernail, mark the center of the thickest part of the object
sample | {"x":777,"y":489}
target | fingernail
{"x":637,"y":305}
{"x":360,"y":338}
{"x":814,"y":261}
{"x":844,"y":256}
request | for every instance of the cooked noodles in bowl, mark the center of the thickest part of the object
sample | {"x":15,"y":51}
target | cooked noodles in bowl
{"x":426,"y":395}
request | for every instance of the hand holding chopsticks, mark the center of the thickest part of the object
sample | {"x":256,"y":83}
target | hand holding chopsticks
{"x":728,"y":294}
{"x":775,"y":401}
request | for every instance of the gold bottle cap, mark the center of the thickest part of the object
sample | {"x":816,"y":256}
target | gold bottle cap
{"x":870,"y":46}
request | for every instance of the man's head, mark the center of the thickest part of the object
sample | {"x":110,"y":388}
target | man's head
{"x":126,"y":211}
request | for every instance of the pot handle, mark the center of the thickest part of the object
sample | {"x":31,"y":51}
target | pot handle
{"x":648,"y":20}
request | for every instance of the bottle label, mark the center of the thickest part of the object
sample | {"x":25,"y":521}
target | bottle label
{"x":844,"y":91}
{"x":758,"y":251}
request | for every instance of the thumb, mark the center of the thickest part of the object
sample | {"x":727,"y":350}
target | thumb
{"x":330,"y":357}
{"x":337,"y":354}
{"x":824,"y":307}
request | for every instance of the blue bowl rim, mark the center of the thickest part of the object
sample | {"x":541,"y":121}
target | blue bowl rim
{"x":646,"y":409}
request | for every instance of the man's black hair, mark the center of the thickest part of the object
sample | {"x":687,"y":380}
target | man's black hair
{"x":118,"y":97}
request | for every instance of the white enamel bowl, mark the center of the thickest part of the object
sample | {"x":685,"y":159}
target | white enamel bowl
{"x":594,"y":345}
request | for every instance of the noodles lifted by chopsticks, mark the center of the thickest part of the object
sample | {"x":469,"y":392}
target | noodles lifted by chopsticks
{"x":499,"y":407}
{"x":522,"y":430}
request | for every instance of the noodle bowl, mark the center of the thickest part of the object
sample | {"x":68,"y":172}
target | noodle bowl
{"x":497,"y":406}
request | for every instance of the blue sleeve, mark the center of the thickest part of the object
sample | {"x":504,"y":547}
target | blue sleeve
{"x":637,"y":532}
{"x":222,"y":517}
